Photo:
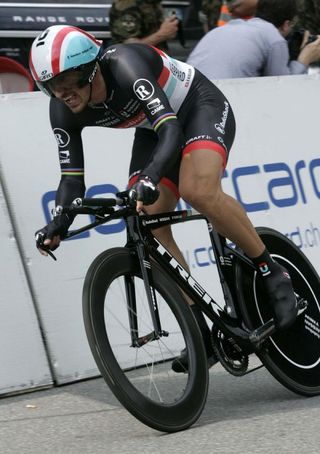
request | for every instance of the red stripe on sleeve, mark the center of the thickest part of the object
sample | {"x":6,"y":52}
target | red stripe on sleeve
{"x":164,"y":76}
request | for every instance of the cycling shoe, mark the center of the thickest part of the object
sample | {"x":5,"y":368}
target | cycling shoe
{"x":281,"y":297}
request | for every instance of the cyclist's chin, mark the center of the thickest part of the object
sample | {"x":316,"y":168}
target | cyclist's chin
{"x":77,"y":108}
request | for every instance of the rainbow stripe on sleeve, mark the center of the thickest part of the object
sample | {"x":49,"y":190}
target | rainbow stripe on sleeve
{"x":159,"y":121}
{"x":73,"y":172}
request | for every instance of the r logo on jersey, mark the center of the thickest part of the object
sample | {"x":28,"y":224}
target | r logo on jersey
{"x":62,"y":137}
{"x":143,"y":89}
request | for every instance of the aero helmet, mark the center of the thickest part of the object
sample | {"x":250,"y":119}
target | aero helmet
{"x":60,"y":48}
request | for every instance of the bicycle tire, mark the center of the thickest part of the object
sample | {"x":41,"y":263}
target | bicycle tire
{"x":167,"y":412}
{"x":292,"y":356}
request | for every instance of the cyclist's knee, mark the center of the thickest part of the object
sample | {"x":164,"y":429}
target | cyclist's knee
{"x":203,"y":198}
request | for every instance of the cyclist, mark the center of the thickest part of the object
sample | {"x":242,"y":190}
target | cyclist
{"x":184,"y":131}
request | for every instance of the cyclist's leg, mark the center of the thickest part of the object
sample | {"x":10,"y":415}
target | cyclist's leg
{"x":200,"y":185}
{"x":167,"y":201}
{"x":210,"y":131}
{"x":144,"y":144}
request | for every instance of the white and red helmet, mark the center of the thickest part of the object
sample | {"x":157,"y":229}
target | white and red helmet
{"x":61,"y":48}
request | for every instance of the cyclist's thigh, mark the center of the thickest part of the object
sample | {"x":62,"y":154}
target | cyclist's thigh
{"x":145,"y":141}
{"x":200,"y":175}
{"x":210,"y":123}
{"x":209,"y":132}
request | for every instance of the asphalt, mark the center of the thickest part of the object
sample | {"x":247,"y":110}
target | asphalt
{"x":252,"y":414}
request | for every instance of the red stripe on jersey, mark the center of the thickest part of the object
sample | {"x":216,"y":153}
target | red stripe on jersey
{"x":165,"y":73}
{"x":172,"y":186}
{"x":164,"y":76}
{"x":206,"y":145}
{"x":132,"y":121}
{"x":159,"y":51}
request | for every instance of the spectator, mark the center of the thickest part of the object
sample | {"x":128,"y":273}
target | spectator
{"x":141,"y":20}
{"x":210,"y":13}
{"x":216,"y":13}
{"x":254,"y":47}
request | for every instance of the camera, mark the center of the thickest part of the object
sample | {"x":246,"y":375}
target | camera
{"x":295,"y":39}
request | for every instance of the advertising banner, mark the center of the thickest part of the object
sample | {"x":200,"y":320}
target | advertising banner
{"x":274,"y":171}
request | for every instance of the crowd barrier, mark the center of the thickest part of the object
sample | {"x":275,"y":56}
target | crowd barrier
{"x":274,"y":170}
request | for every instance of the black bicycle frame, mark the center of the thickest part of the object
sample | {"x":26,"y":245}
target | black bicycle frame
{"x":142,"y":242}
{"x":147,"y":246}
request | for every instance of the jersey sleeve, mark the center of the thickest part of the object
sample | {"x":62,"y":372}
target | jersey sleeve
{"x":70,"y":149}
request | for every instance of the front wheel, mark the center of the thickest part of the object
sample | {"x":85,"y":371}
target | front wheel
{"x":116,"y":312}
{"x":292,"y":356}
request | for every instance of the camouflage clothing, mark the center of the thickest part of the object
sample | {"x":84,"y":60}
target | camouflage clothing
{"x":134,"y":18}
{"x":309,"y":15}
{"x":212,"y":8}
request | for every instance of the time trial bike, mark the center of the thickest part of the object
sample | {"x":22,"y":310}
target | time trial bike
{"x":137,"y":319}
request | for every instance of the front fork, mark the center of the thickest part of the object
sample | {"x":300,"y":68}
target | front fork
{"x":134,"y":235}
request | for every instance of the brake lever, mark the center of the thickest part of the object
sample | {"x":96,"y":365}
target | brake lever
{"x":48,"y":251}
{"x":41,"y":245}
{"x":51,"y":254}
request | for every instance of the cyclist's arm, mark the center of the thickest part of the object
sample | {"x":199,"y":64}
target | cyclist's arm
{"x":136,"y":75}
{"x":70,"y":149}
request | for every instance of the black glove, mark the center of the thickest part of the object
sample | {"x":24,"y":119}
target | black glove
{"x":144,"y":190}
{"x":58,"y":226}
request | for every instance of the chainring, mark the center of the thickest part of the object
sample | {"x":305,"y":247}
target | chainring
{"x":230,"y":355}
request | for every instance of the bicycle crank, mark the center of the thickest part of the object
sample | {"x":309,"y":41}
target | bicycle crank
{"x":230,"y":355}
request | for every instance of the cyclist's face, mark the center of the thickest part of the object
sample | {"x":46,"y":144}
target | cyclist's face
{"x":67,"y":88}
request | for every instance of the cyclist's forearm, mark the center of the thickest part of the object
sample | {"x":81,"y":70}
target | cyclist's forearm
{"x":69,"y":189}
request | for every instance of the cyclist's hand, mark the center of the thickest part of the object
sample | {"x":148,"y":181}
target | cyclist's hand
{"x":144,"y":192}
{"x":49,"y":237}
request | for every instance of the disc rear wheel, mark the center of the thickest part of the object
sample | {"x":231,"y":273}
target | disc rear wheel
{"x":292,"y":355}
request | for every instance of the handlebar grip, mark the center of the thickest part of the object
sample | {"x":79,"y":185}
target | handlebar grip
{"x":97,"y":202}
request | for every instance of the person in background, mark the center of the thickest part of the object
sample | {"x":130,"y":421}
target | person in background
{"x":254,"y":47}
{"x":216,"y":13}
{"x":209,"y":14}
{"x":142,"y":21}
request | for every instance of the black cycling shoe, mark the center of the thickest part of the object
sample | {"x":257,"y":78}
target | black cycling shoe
{"x":180,"y":363}
{"x":281,"y":297}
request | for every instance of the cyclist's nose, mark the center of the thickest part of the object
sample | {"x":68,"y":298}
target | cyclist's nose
{"x":61,"y":92}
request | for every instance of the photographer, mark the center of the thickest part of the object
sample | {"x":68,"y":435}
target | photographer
{"x":255,"y":47}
